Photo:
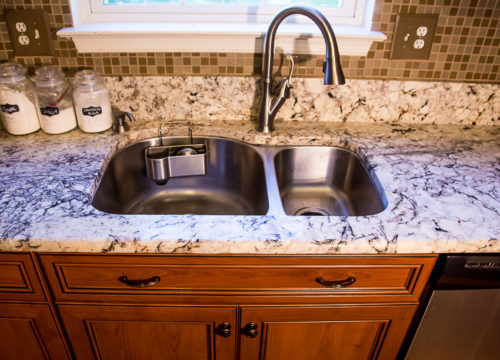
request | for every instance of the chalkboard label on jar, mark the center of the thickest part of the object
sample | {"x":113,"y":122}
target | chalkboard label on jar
{"x":49,"y":111}
{"x":10,"y":109}
{"x":92,"y":111}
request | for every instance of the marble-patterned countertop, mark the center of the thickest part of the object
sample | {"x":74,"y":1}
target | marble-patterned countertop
{"x":442,"y":184}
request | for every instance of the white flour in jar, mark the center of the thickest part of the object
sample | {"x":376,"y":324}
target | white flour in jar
{"x":93,"y":110}
{"x":59,"y":123}
{"x":19,"y":115}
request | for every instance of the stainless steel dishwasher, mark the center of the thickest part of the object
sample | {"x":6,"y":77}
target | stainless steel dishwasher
{"x":462,"y":317}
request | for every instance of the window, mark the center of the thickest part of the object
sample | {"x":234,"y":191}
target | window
{"x":246,"y":11}
{"x":214,"y":25}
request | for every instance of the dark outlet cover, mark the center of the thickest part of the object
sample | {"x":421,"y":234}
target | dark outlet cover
{"x":29,"y":24}
{"x":413,"y":36}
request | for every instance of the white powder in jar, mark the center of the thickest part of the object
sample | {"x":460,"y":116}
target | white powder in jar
{"x":62,"y":121}
{"x":93,"y":110}
{"x":19,"y":115}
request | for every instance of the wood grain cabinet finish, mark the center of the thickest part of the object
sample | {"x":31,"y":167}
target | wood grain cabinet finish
{"x":236,"y":306}
{"x":19,"y":279}
{"x":140,"y":332}
{"x":28,"y":331}
{"x":228,"y":279}
{"x":324,"y":333}
{"x":28,"y":326}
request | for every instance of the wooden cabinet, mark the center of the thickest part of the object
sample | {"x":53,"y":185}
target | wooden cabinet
{"x":28,"y":331}
{"x":236,"y":307}
{"x":207,"y":307}
{"x":19,"y":280}
{"x":324,"y":333}
{"x":236,"y":279}
{"x":28,"y":328}
{"x":140,"y":332}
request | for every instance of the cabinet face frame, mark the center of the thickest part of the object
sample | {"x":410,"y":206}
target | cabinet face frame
{"x":382,"y":309}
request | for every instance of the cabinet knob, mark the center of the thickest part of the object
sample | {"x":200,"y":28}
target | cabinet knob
{"x":140,"y":283}
{"x":336,"y":284}
{"x":250,"y":330}
{"x":223,"y":330}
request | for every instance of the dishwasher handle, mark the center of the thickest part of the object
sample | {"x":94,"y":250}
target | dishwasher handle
{"x":470,"y":271}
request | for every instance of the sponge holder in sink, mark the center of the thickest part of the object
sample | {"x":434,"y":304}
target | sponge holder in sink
{"x":165,"y":162}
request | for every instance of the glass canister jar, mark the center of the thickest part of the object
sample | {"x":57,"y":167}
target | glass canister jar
{"x":17,"y":100}
{"x":55,"y":103}
{"x":91,"y":98}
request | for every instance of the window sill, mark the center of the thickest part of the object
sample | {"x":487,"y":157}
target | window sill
{"x":222,"y":37}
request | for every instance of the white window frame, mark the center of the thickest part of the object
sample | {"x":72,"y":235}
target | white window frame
{"x":102,"y":29}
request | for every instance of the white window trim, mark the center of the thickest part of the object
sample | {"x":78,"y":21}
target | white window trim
{"x":91,"y":33}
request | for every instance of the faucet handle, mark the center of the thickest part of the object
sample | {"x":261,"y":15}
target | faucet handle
{"x":282,"y":91}
{"x":284,"y":86}
{"x":292,"y":65}
{"x":119,"y":123}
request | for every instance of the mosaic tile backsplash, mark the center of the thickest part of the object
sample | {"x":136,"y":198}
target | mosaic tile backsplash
{"x":465,"y":49}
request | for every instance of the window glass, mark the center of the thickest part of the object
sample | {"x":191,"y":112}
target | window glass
{"x":332,"y":3}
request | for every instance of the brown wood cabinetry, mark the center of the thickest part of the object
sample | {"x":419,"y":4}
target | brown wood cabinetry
{"x":140,"y":332}
{"x":235,"y":279}
{"x":28,"y":329}
{"x":236,"y":307}
{"x":19,"y":280}
{"x":324,"y":333}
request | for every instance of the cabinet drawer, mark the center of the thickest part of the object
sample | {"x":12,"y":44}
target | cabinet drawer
{"x":115,"y":277}
{"x":18,"y":278}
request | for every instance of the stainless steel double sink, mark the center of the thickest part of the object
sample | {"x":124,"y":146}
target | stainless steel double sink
{"x":244,"y":179}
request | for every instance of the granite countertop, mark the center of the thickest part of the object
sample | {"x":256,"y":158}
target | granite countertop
{"x":442,"y":185}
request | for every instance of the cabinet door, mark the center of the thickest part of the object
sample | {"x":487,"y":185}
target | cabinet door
{"x":18,"y":278}
{"x":28,"y":331}
{"x":140,"y":332}
{"x":321,"y":333}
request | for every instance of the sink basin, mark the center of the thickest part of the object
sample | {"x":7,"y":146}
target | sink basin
{"x":241,"y":179}
{"x":234,"y":182}
{"x":326,"y":181}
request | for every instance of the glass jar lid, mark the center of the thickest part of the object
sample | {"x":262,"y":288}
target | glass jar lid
{"x":88,"y":79}
{"x":49,"y":76}
{"x":11,"y":72}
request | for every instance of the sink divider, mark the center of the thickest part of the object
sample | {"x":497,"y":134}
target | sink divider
{"x":273,"y":191}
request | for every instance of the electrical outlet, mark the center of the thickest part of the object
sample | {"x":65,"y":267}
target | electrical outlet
{"x":413,"y":35}
{"x":29,"y":32}
{"x":422,"y":31}
{"x":419,"y":44}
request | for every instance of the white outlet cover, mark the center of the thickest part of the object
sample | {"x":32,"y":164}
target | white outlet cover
{"x":419,"y":44}
{"x":422,"y":31}
{"x":24,"y":40}
{"x":21,"y":27}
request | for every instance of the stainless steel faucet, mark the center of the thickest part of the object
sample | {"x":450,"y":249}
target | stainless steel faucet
{"x":273,"y":100}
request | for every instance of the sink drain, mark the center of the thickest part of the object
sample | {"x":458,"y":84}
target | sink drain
{"x":312,"y":211}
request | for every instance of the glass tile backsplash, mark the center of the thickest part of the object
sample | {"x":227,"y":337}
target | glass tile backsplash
{"x":466,"y":48}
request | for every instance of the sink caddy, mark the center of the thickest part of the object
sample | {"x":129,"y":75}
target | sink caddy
{"x":165,"y":162}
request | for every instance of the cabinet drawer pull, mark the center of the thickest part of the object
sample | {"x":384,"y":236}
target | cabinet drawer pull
{"x":140,"y":283}
{"x":250,"y":330}
{"x":336,"y":284}
{"x":224,"y":330}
